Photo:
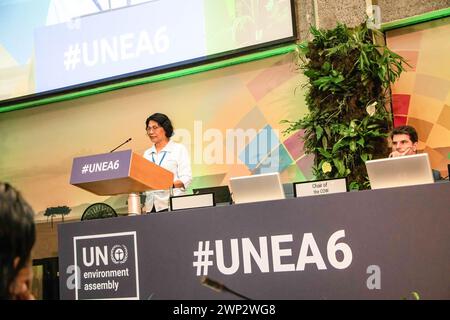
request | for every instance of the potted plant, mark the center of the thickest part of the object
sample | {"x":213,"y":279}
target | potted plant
{"x":348,"y":91}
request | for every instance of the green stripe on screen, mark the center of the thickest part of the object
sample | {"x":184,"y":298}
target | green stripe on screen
{"x":442,"y":13}
{"x":154,"y":78}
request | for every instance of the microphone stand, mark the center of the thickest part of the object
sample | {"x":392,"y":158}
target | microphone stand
{"x":128,"y":140}
{"x":217,"y":286}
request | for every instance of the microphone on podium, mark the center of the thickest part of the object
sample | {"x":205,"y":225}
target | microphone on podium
{"x":128,"y":140}
{"x":217,"y":286}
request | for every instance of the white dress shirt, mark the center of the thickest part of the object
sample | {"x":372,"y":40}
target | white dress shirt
{"x":175,"y":158}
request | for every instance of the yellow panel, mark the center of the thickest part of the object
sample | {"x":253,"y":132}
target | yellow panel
{"x":434,"y":52}
{"x":424,"y":108}
{"x":447,"y":100}
{"x":406,"y":84}
{"x":439,"y":137}
{"x":444,"y":118}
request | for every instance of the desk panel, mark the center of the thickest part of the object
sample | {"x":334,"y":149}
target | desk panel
{"x":375,"y":244}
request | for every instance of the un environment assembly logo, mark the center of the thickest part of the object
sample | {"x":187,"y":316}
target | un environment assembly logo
{"x":119,"y":254}
{"x":106,"y":266}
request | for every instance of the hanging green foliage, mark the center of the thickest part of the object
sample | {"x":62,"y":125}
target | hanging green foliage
{"x":349,"y":80}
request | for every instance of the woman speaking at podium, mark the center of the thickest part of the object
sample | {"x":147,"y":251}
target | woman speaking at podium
{"x":169,"y":155}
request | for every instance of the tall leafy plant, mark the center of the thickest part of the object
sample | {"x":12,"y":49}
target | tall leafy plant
{"x":349,"y":79}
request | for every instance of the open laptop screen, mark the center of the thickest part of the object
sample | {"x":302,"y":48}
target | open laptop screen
{"x":399,"y":171}
{"x":260,"y":187}
{"x":221,"y":193}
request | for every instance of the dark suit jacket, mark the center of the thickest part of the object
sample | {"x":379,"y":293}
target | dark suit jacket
{"x":436,"y":175}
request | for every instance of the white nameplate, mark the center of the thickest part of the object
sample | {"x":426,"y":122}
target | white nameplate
{"x":192,"y":201}
{"x":316,"y":188}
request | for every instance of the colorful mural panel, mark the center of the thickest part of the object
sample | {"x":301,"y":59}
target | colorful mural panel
{"x":421,"y":97}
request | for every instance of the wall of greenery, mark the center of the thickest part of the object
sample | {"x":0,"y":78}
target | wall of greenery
{"x":348,"y":100}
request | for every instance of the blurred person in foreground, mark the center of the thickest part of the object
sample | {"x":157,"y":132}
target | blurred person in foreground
{"x":17,"y":238}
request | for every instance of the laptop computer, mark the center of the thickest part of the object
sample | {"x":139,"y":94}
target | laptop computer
{"x":221,"y":193}
{"x":259,"y":187}
{"x":399,"y":171}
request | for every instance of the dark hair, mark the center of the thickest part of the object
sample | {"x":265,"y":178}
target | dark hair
{"x":410,"y":131}
{"x":17,"y":236}
{"x":163,"y":121}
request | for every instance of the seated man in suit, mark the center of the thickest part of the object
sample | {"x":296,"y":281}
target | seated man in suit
{"x":404,"y":142}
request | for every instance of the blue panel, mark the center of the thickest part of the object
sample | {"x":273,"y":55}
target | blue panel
{"x":259,"y":148}
{"x":278,"y":160}
{"x":18,"y":19}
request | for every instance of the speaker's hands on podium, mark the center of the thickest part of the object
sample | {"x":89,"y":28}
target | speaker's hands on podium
{"x":178,"y":184}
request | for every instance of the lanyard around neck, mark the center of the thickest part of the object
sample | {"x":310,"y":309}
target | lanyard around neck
{"x":160,"y":161}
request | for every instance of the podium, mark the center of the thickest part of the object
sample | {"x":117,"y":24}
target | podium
{"x":122,"y":172}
